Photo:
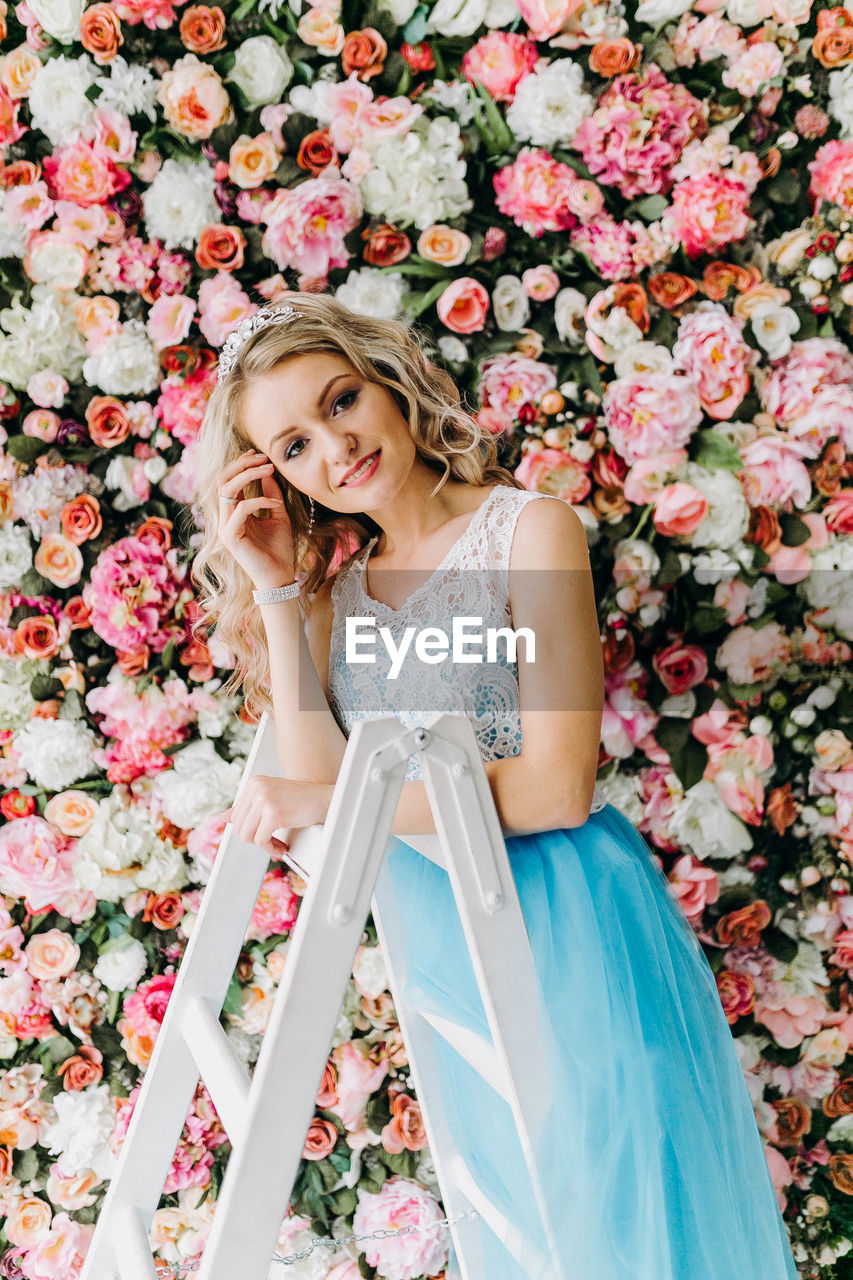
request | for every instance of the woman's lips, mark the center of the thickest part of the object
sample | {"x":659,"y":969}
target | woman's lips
{"x":367,"y":473}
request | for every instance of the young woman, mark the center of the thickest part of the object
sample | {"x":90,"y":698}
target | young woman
{"x":340,"y":471}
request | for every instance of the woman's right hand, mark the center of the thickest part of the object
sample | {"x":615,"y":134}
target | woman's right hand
{"x":264,"y":548}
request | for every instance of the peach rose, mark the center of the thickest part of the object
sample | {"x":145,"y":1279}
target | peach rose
{"x":364,"y":53}
{"x":832,"y":750}
{"x":386,"y":246}
{"x":41,"y":423}
{"x":319,"y":28}
{"x":840,"y":1172}
{"x":670,"y":288}
{"x":443,"y":244}
{"x":737,"y":994}
{"x":97,"y":315}
{"x":540,"y":283}
{"x":72,"y":1191}
{"x":743,"y":927}
{"x":28,"y":1221}
{"x":614,"y":57}
{"x":37,"y":636}
{"x":202,"y":28}
{"x":82,"y":1069}
{"x":833,"y":47}
{"x":252,"y":161}
{"x":719,"y":277}
{"x":100,"y":32}
{"x":679,"y":509}
{"x":164,"y":910}
{"x":52,"y":954}
{"x":18,"y":71}
{"x":220,"y":248}
{"x":840,"y":1101}
{"x":108,"y":421}
{"x":463,"y":306}
{"x":405,"y":1130}
{"x":59,"y":560}
{"x":793,"y":1120}
{"x":194,"y":99}
{"x":316,"y":152}
{"x":321,"y":1139}
{"x":73,"y":812}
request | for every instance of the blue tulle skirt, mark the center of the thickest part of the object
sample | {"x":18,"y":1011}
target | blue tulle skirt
{"x":654,"y":1165}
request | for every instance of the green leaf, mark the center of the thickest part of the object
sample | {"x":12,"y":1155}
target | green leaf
{"x":785,"y":188}
{"x":708,"y":617}
{"x":779,"y":944}
{"x":590,"y":374}
{"x":649,"y":208}
{"x":500,"y":130}
{"x":714,"y":450}
{"x":43,"y":687}
{"x":415,"y":305}
{"x":794,"y":530}
{"x":25,"y":448}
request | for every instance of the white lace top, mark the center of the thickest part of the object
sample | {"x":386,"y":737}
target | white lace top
{"x":471,"y":580}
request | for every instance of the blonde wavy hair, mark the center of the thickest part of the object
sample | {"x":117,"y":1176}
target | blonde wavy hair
{"x":447,"y":439}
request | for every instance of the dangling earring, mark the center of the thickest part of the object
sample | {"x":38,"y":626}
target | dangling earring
{"x":311,"y":521}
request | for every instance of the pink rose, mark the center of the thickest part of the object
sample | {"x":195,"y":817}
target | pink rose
{"x":679,"y":510}
{"x":509,"y":381}
{"x":646,"y":415}
{"x":694,"y":885}
{"x":500,"y":61}
{"x":545,"y":18}
{"x":710,"y":346}
{"x":680,"y":667}
{"x":52,"y":954}
{"x":463,"y":305}
{"x":402,"y":1202}
{"x":60,"y":1254}
{"x":540,"y":283}
{"x":222,"y":305}
{"x":169,"y":319}
{"x":35,"y":863}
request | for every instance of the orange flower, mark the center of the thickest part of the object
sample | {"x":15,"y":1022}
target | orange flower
{"x":108,"y":421}
{"x":719,"y":277}
{"x":82,"y":1069}
{"x":79,"y":613}
{"x":614,"y":57}
{"x":743,"y":927}
{"x":100,"y":32}
{"x":20,"y":173}
{"x":202,"y":29}
{"x":364,"y":52}
{"x":634,"y":301}
{"x":81,"y":518}
{"x":670,"y":288}
{"x":37,"y":636}
{"x":793,"y":1119}
{"x":833,"y":47}
{"x":764,"y":528}
{"x":59,"y":560}
{"x":316,"y":152}
{"x":156,"y":529}
{"x":321,"y":1139}
{"x":132,"y":662}
{"x":386,"y":246}
{"x":840,"y":1101}
{"x":445,"y":245}
{"x":781,"y":808}
{"x":840,"y":1171}
{"x":220,"y":248}
{"x":251,"y":161}
{"x":828,"y":19}
{"x":164,"y":910}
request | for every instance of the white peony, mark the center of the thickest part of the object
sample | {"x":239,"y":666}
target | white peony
{"x":56,"y":753}
{"x":827,"y":588}
{"x":261,"y":70}
{"x":13,"y":235}
{"x":125,"y":363}
{"x":620,"y":790}
{"x":113,"y":858}
{"x":655,"y":12}
{"x":400,"y":10}
{"x":370,"y":973}
{"x":81,"y":1134}
{"x":840,"y":105}
{"x":16,"y":554}
{"x":58,"y":262}
{"x":773,"y":326}
{"x":121,"y":967}
{"x":510,"y":304}
{"x":128,"y":87}
{"x":180,"y":203}
{"x":550,"y":105}
{"x":419,"y":178}
{"x":371,"y":292}
{"x":200,"y":784}
{"x":59,"y":18}
{"x":805,"y":975}
{"x":57,"y":101}
{"x":642,"y":357}
{"x":703,"y":823}
{"x":16,"y":701}
{"x":727,"y":518}
{"x":42,"y":336}
{"x":457,"y":17}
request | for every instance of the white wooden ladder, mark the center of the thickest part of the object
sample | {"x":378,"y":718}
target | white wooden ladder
{"x":267,"y":1115}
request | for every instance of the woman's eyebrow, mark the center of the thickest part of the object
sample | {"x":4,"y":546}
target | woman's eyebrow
{"x":320,"y":399}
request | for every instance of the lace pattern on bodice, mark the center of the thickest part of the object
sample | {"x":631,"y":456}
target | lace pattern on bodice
{"x":471,"y":580}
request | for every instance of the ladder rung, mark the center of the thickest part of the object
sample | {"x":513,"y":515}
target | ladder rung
{"x":478,"y":1051}
{"x":133,"y":1253}
{"x":527,"y":1252}
{"x":227,"y":1080}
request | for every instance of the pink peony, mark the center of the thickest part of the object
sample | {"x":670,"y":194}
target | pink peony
{"x":131,"y":595}
{"x":347,"y":100}
{"x":509,"y":380}
{"x":500,"y":61}
{"x":306,"y":225}
{"x":535,"y":191}
{"x":83,"y":172}
{"x":707,"y":213}
{"x":628,"y":718}
{"x":141,"y":725}
{"x":170,"y":318}
{"x":275,"y":909}
{"x":790,"y":1019}
{"x":810,"y":394}
{"x":61,"y":1253}
{"x":555,"y":472}
{"x":832,"y":174}
{"x":694,"y":885}
{"x":182,"y":402}
{"x":358,"y":1078}
{"x":35,"y":863}
{"x":156,"y":14}
{"x":650,"y":415}
{"x":749,"y":655}
{"x":679,"y":510}
{"x":401,"y":1203}
{"x":710,"y":346}
{"x":638,"y":131}
{"x":463,"y":305}
{"x":222,"y":305}
{"x":11,"y":128}
{"x":774,"y":474}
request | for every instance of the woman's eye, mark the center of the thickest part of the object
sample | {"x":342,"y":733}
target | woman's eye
{"x":288,"y":454}
{"x":343,"y":397}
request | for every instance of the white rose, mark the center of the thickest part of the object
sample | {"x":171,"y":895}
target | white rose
{"x":773,"y":326}
{"x":372,"y":292}
{"x":637,"y":555}
{"x":125,"y":363}
{"x":457,"y":17}
{"x":655,"y":12}
{"x":452,"y":349}
{"x":201,"y":783}
{"x":369,"y":973}
{"x":16,"y":554}
{"x":400,"y":10}
{"x":569,"y":306}
{"x":261,"y":70}
{"x":744,"y":13}
{"x":58,"y":262}
{"x":703,"y":823}
{"x":56,"y":753}
{"x":121,"y":967}
{"x":59,"y":18}
{"x":642,"y":357}
{"x":822,"y":267}
{"x":510,"y":303}
{"x":82,"y":1132}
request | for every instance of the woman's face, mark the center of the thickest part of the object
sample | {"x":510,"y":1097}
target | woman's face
{"x":316,"y":418}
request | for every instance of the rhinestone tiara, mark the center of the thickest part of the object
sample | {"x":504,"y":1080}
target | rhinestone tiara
{"x":246,"y":328}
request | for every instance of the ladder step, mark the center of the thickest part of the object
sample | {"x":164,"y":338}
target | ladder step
{"x":133,"y":1253}
{"x":478,"y":1051}
{"x":225,"y":1076}
{"x":528,"y":1253}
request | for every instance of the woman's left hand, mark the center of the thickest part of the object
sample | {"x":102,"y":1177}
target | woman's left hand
{"x":266,"y":804}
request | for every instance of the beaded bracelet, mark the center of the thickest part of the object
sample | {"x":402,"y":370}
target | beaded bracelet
{"x":274,"y":594}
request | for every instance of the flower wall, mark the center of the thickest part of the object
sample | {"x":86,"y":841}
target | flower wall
{"x":628,"y":234}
